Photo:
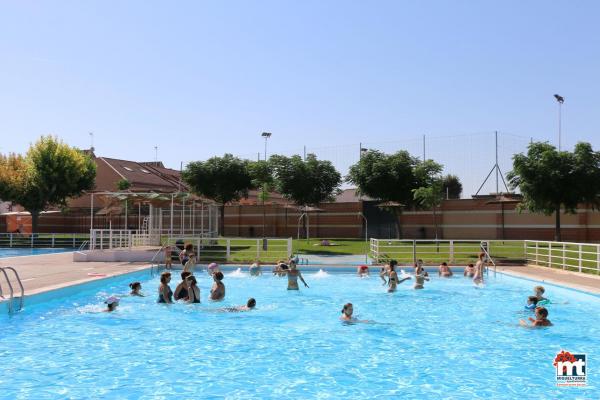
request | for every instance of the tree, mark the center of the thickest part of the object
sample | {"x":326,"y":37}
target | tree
{"x":49,"y":174}
{"x":222,"y":179}
{"x":386,"y":177}
{"x":123,"y":184}
{"x":430,"y":194}
{"x":262,"y":179}
{"x":305,"y":182}
{"x":550,"y":180}
{"x":451,"y":187}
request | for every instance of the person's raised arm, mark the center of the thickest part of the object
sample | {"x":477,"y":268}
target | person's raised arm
{"x":301,"y":278}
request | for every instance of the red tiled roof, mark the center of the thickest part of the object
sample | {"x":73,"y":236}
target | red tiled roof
{"x":146,"y":177}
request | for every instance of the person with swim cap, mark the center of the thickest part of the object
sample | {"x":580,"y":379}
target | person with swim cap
{"x":213,"y":268}
{"x":111,"y":304}
{"x":362,"y":271}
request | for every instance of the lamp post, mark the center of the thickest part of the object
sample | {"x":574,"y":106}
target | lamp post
{"x":560,"y":101}
{"x":366,"y":235}
{"x":266,"y":135}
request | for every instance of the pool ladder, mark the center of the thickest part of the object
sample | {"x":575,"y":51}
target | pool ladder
{"x":11,"y":299}
{"x":484,"y":246}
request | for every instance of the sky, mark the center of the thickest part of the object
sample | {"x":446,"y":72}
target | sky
{"x":199,"y":78}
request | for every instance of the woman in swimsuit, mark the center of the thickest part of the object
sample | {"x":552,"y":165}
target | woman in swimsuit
{"x":165,"y":294}
{"x":394,"y":281}
{"x":293,"y":274}
{"x":193,"y":290}
{"x":186,"y":253}
{"x":181,"y":290}
{"x":217,"y":292}
{"x":479,"y":265}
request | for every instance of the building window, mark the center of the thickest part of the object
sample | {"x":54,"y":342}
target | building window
{"x":127,"y":168}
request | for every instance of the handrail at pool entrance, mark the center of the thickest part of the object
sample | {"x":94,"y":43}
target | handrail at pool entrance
{"x":571,"y":256}
{"x":408,"y":251}
{"x":10,"y":287}
{"x":152,"y":261}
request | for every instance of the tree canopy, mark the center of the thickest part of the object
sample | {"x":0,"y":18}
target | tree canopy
{"x":429,"y":194}
{"x":222,"y":179}
{"x":452,"y":187}
{"x":48,"y":174}
{"x":550,"y":180}
{"x":306,"y":183}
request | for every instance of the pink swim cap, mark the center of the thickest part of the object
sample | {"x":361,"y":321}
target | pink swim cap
{"x":213,"y":265}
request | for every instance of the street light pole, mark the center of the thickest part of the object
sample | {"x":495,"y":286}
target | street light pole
{"x":266,"y":135}
{"x":560,"y":101}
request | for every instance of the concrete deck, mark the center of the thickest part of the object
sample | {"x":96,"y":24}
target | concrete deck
{"x":46,"y":272}
{"x":575,"y":280}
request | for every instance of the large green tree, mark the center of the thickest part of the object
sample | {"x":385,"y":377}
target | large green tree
{"x":551,"y":180}
{"x":430,"y":193}
{"x":222,"y":179}
{"x":388,"y":178}
{"x":452,"y":187}
{"x":305,"y":182}
{"x":49,"y":174}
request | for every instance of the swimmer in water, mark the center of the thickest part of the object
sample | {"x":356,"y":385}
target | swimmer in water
{"x":217,"y":292}
{"x":385,"y":271}
{"x":420,"y":281}
{"x":347,"y":312}
{"x":136,"y":288}
{"x":444,"y":270}
{"x":293,"y":274}
{"x":255,"y":269}
{"x":192,"y":289}
{"x":190,"y":264}
{"x":362,"y":271}
{"x":185,"y":254}
{"x":250,"y":304}
{"x":181,"y":290}
{"x":419,"y":270}
{"x":479,"y":269}
{"x":531,"y":303}
{"x":212,"y":269}
{"x":165,"y":294}
{"x":111,"y":304}
{"x":541,"y":319}
{"x":393,"y":281}
{"x":539,"y":293}
{"x":469,"y":271}
{"x":168,"y":258}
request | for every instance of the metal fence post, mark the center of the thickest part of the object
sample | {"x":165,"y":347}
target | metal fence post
{"x":598,"y":258}
{"x":53,"y":240}
{"x":10,"y":236}
{"x":550,"y":255}
{"x":564,"y":259}
{"x":289,"y":246}
{"x":414,"y":251}
{"x":32,"y":239}
{"x":580,"y":257}
{"x":451,"y":249}
{"x":228,"y":251}
{"x":74,"y":243}
{"x":257,"y":249}
{"x":536,"y":253}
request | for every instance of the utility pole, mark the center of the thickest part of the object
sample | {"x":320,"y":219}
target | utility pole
{"x":560,"y":101}
{"x":423,"y":148}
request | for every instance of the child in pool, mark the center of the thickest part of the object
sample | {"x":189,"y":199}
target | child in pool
{"x":531,"y":303}
{"x":541,"y":319}
{"x":168,"y":259}
{"x":136,"y":288}
{"x":539,"y":293}
{"x":111,"y":304}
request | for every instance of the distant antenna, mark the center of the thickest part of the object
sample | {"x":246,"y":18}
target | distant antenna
{"x":155,"y":153}
{"x":496,"y":168}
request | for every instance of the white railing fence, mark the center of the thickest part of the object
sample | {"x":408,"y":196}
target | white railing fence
{"x":235,"y":249}
{"x":580,"y":257}
{"x":437,"y":251}
{"x":45,"y":240}
{"x":108,"y":239}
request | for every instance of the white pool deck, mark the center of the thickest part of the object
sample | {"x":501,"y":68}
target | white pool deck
{"x":46,"y":272}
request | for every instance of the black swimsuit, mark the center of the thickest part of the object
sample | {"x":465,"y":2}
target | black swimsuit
{"x":193,"y":296}
{"x":161,"y":299}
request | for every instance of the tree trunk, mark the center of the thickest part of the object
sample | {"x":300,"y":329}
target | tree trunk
{"x":34,"y":220}
{"x":398,"y":214}
{"x":557,"y":236}
{"x":222,"y":221}
{"x":435,"y":227}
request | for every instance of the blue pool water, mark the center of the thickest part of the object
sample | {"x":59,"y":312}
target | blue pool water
{"x":14,"y":252}
{"x":451,"y":340}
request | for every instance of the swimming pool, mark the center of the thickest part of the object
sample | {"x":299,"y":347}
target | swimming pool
{"x":14,"y":252}
{"x":451,"y":340}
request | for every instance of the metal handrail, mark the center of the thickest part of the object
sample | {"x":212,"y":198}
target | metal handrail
{"x":83,"y":244}
{"x":154,"y":258}
{"x":487,"y":256}
{"x":12,"y":292}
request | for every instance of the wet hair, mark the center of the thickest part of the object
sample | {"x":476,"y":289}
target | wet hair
{"x":134,"y":285}
{"x":191,"y":279}
{"x":470,"y":265}
{"x":346,"y":306}
{"x":164,"y":276}
{"x":251,"y":302}
{"x":539,"y":289}
{"x":533,"y":299}
{"x":481,"y":255}
{"x":445,"y":264}
{"x":189,"y":247}
{"x":185,"y":274}
{"x":543,"y":311}
{"x":393,"y":263}
{"x":112,"y":306}
{"x":218,"y":276}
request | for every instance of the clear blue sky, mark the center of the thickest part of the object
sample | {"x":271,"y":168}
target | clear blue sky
{"x":203,"y":78}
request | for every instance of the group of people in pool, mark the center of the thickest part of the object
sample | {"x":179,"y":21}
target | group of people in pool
{"x":536,"y":304}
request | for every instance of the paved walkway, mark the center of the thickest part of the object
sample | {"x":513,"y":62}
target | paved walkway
{"x":575,"y":280}
{"x":52,"y":271}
